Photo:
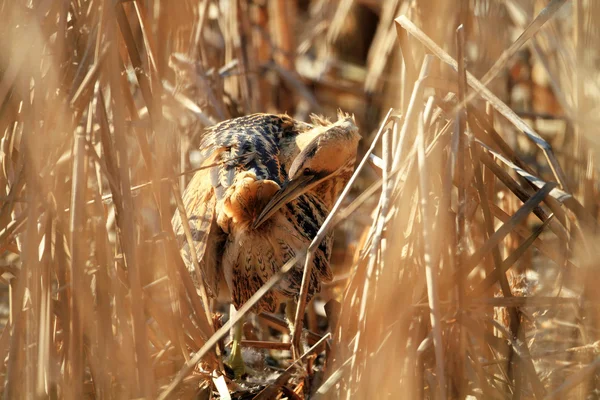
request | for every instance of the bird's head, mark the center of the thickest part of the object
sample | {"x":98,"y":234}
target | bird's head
{"x":329,"y":153}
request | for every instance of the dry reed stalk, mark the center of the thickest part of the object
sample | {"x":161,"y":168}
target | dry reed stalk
{"x":301,"y":306}
{"x":97,"y":98}
{"x":430,"y":261}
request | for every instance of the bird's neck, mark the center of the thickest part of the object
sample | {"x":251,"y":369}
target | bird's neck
{"x":328,"y":191}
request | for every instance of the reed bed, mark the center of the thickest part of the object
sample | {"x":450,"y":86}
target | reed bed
{"x":467,"y":246}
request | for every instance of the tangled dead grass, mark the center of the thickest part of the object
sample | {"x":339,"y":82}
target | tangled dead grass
{"x":466,"y":247}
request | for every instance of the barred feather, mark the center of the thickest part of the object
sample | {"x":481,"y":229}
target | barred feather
{"x":255,"y":154}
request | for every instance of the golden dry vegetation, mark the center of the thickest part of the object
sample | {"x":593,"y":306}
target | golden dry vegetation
{"x":467,"y":248}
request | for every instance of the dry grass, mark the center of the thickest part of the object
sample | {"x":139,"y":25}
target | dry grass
{"x":466,"y":252}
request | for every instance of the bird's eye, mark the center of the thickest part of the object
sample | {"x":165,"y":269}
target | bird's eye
{"x":307,"y":171}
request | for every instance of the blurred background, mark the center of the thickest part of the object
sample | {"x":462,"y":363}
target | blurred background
{"x":466,"y":253}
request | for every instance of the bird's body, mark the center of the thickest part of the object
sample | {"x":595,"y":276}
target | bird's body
{"x":238,"y":231}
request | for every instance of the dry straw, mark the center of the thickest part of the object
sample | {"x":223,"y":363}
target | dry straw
{"x":467,"y":251}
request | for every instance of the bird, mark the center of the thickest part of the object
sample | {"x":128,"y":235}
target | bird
{"x":271,"y":184}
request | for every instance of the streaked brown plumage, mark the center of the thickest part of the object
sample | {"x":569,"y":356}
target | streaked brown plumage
{"x":264,"y":203}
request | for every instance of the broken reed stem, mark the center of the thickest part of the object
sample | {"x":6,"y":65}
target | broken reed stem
{"x":544,"y":16}
{"x":461,"y":179}
{"x":45,"y":314}
{"x":516,"y":332}
{"x":502,"y":267}
{"x":486,"y":94}
{"x":488,"y":219}
{"x":412,"y":113}
{"x":508,"y":227}
{"x":78,"y":261}
{"x":299,"y":317}
{"x":431,"y":262}
{"x":546,"y":250}
{"x":378,"y":225}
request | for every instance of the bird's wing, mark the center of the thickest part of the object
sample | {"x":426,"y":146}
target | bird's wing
{"x":200,"y":205}
{"x":250,"y":143}
{"x":247,"y":143}
{"x":250,"y":171}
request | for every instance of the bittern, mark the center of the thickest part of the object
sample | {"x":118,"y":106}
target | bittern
{"x":274,"y":181}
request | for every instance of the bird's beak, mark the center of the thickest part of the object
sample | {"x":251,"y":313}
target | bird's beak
{"x":288,"y":192}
